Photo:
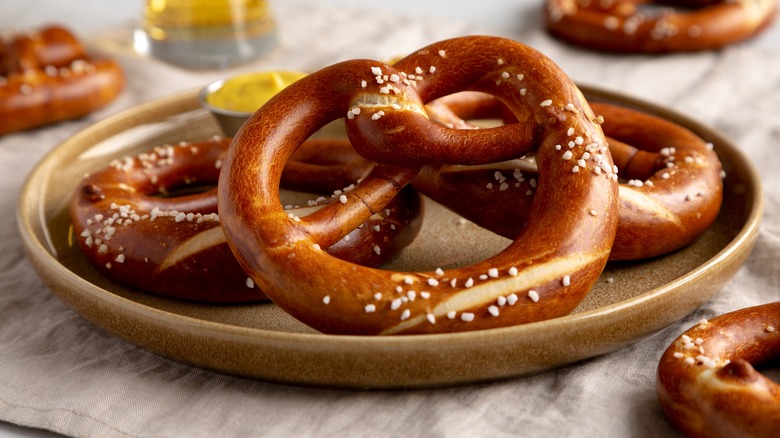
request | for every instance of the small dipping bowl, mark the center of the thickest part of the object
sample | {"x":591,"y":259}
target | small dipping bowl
{"x":234,"y":99}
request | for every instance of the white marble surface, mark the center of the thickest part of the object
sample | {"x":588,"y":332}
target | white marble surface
{"x":106,"y":25}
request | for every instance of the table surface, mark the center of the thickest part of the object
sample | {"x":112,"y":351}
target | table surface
{"x":501,"y":15}
{"x":98,"y":16}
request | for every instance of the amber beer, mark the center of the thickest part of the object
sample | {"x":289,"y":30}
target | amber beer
{"x":206,"y":34}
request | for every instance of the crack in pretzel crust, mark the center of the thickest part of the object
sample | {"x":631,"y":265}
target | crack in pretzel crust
{"x":488,"y":293}
{"x":196,"y":244}
{"x":670,"y":193}
{"x":374,"y":103}
{"x":645,"y":205}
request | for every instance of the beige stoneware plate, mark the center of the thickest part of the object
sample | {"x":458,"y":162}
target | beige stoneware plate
{"x":630,"y":301}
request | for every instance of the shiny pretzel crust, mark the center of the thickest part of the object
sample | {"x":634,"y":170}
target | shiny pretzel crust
{"x":706,"y":381}
{"x":670,"y":195}
{"x":545,"y":273}
{"x":174,"y":246}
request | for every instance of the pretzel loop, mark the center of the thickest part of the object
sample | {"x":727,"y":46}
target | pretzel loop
{"x":406,"y":136}
{"x":282,"y":125}
{"x":673,"y":189}
{"x":707,"y":383}
{"x":545,"y":273}
{"x":150,"y":221}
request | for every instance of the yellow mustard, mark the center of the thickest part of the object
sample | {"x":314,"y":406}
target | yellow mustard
{"x":248,"y":92}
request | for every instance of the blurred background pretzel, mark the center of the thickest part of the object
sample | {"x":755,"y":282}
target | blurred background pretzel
{"x":46,"y":76}
{"x":671,"y":26}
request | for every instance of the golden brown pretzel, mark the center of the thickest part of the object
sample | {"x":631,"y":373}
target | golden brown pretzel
{"x":670,"y":194}
{"x":706,"y":381}
{"x":46,"y":77}
{"x":173,"y":245}
{"x":625,"y":26}
{"x":543,"y":274}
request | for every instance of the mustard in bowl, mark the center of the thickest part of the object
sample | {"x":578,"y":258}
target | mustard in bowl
{"x":234,"y":99}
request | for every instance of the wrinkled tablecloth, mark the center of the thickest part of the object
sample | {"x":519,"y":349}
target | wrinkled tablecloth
{"x":60,"y":373}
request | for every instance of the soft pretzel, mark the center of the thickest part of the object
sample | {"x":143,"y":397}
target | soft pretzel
{"x":671,"y":188}
{"x":625,"y":26}
{"x":46,"y":77}
{"x":137,"y":224}
{"x":706,"y":381}
{"x":544,"y":274}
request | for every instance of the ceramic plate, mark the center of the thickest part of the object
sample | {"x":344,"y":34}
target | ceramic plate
{"x":260,"y":341}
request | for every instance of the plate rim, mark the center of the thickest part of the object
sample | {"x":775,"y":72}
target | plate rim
{"x":740,"y":245}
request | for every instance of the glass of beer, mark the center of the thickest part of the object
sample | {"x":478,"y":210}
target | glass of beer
{"x":206,"y":34}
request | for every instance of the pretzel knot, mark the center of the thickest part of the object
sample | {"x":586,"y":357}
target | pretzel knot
{"x":150,"y":221}
{"x":544,"y":273}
